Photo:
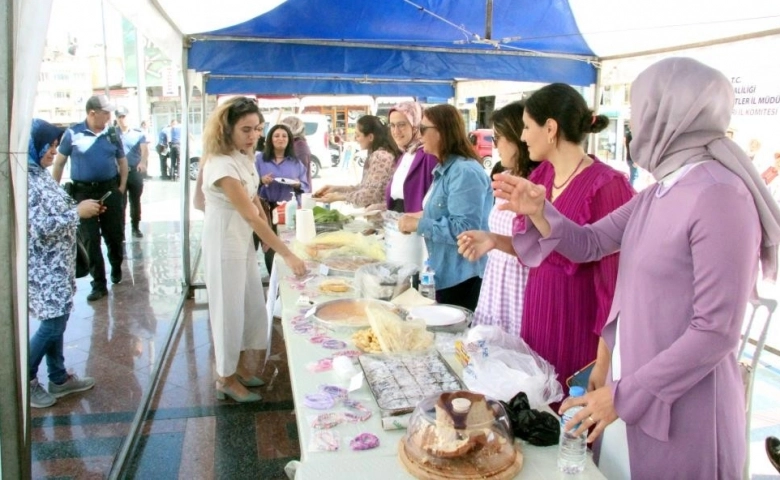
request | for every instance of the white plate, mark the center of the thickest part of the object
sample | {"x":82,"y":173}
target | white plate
{"x":286,"y":181}
{"x":438,"y":315}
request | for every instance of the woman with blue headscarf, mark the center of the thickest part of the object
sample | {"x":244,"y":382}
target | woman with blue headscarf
{"x":53,"y":219}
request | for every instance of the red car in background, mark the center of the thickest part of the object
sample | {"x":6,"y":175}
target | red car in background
{"x":482,"y":139}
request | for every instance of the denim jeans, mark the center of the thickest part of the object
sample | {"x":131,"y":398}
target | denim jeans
{"x":48,"y":342}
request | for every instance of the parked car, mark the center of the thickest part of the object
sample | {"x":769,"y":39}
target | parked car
{"x":196,"y":150}
{"x":482,"y":139}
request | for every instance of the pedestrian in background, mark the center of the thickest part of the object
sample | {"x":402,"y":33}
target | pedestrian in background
{"x":300,"y":145}
{"x":174,"y":147}
{"x":137,"y":154}
{"x":162,"y":153}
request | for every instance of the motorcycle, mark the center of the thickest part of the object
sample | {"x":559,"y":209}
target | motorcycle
{"x":335,"y":154}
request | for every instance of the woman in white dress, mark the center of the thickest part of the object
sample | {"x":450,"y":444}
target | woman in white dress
{"x":232,"y":212}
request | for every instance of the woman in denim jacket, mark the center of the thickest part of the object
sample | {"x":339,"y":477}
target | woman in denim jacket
{"x":460,"y":199}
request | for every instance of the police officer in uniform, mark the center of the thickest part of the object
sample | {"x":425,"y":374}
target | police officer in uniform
{"x":98,"y":168}
{"x":137,"y":154}
{"x":174,"y":143}
{"x":162,"y":152}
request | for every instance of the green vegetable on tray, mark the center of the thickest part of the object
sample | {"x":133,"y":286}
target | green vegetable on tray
{"x":323,"y":215}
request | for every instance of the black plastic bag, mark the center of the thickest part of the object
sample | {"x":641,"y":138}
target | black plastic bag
{"x":535,"y":427}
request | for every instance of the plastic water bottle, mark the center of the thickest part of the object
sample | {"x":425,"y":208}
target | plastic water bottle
{"x":572,"y":451}
{"x":289,"y":211}
{"x":427,"y":286}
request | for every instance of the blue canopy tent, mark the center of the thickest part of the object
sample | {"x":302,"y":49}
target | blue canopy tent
{"x":423,"y":47}
{"x":393,"y":48}
{"x":388,"y":48}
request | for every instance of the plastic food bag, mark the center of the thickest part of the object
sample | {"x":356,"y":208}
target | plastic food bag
{"x":501,"y":366}
{"x":383,"y":281}
{"x":340,"y":244}
{"x":398,"y":335}
{"x":534,"y":426}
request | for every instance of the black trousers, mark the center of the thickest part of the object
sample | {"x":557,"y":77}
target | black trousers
{"x":269,"y":255}
{"x":164,"y":166}
{"x":134,"y":190}
{"x":174,"y":154}
{"x":108,"y":225}
{"x":464,"y":294}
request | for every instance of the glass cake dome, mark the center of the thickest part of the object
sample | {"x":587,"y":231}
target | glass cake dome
{"x":462,"y":435}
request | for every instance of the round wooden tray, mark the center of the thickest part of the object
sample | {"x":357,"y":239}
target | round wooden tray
{"x":422,"y":473}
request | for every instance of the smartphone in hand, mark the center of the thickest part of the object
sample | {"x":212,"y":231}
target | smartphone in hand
{"x":105,"y":196}
{"x":581,"y":377}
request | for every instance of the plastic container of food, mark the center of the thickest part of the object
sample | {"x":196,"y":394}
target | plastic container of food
{"x":460,"y":434}
{"x":384,"y":281}
{"x":346,"y":313}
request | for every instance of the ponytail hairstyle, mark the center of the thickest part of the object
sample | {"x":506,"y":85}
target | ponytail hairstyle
{"x":565,"y":105}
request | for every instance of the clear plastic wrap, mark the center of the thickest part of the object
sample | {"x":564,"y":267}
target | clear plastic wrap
{"x":501,"y":365}
{"x":340,"y":244}
{"x":384,"y":281}
{"x":396,"y":335}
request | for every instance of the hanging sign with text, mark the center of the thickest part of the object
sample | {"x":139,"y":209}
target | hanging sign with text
{"x":755,"y":99}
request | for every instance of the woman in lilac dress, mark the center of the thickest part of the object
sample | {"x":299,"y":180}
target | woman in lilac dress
{"x":673,"y":403}
{"x":566,"y":303}
{"x":501,"y":296}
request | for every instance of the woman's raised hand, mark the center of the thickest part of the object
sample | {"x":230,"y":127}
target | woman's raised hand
{"x":522,"y":196}
{"x":473,"y":244}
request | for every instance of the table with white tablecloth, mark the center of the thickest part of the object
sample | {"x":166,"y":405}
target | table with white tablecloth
{"x":382,"y":462}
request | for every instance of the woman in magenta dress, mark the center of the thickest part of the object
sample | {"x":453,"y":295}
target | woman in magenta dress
{"x":566,"y":304}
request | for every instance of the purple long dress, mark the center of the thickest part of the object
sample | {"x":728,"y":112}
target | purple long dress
{"x":566,"y":303}
{"x":688,"y":261}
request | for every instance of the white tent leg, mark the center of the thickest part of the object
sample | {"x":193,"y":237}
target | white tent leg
{"x":14,"y":449}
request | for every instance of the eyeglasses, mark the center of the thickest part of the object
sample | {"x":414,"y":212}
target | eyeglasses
{"x":398,"y":126}
{"x":423,"y":128}
{"x":243,"y":103}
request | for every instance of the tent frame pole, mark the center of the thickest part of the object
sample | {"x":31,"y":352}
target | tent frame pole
{"x":689,"y":46}
{"x":408,"y":48}
{"x":14,"y":438}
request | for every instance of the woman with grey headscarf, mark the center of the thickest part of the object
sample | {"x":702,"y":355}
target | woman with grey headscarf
{"x":672,"y":404}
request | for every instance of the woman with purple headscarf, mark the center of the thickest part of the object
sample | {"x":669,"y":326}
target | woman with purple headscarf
{"x":413,"y":169}
{"x":672,"y":404}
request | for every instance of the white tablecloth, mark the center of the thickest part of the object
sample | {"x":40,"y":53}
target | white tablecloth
{"x":382,"y":462}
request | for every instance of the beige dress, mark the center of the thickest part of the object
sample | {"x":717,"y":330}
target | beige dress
{"x":235,"y":289}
